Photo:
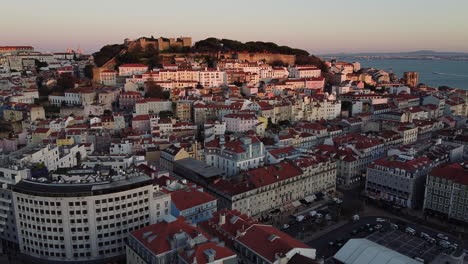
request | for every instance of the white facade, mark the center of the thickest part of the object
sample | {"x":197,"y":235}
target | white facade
{"x":213,"y":78}
{"x":86,"y":222}
{"x":240,"y":122}
{"x":151,"y":105}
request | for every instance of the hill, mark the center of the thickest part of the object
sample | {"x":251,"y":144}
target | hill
{"x":210,"y":47}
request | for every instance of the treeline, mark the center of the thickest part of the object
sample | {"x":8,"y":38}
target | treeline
{"x":106,"y":53}
{"x":151,"y":57}
{"x":228,"y":45}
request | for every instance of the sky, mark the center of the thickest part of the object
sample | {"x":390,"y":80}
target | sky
{"x":316,"y":26}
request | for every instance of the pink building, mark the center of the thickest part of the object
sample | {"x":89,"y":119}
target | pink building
{"x":141,"y":123}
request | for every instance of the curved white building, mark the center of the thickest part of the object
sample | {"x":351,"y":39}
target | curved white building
{"x":84,"y":216}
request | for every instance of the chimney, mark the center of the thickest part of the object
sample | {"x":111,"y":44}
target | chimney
{"x":222,"y":219}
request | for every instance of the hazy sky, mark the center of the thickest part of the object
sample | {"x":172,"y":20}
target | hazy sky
{"x":319,"y":26}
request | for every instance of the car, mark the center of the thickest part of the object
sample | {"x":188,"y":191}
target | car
{"x":424,"y":235}
{"x":431,"y":240}
{"x":380,"y":220}
{"x":394,"y":226}
{"x":312,"y":213}
{"x":355,"y":218}
{"x":299,"y":218}
{"x":442,"y":236}
{"x":285,"y":226}
{"x":370,"y":230}
{"x":331,"y":244}
{"x":378,"y":227}
{"x":410,"y":231}
{"x":444,"y":244}
{"x":354,"y":232}
{"x":453,"y":246}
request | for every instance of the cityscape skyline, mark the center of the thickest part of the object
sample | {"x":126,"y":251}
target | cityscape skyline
{"x":317,"y":28}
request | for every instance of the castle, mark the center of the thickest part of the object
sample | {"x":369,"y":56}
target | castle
{"x":161,"y":43}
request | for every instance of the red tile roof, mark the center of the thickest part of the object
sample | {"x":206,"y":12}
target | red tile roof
{"x":190,"y":197}
{"x":156,"y":237}
{"x":198,"y":254}
{"x":268,"y":241}
{"x":454,"y":172}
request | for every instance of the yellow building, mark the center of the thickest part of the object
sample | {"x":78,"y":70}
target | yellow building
{"x":39,"y":134}
{"x":65,"y":141}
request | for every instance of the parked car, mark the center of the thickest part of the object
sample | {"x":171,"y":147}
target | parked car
{"x":377,"y":227}
{"x":285,"y":226}
{"x":410,"y":231}
{"x":424,"y":235}
{"x":394,"y":226}
{"x":299,"y":218}
{"x":312,"y":213}
{"x":355,"y":218}
{"x":442,"y":236}
{"x":380,"y":220}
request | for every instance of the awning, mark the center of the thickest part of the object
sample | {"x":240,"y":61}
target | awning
{"x":296,"y":203}
{"x":309,"y":198}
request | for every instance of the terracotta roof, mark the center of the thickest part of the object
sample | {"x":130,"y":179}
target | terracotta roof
{"x":268,"y":241}
{"x":190,"y":197}
{"x":199,"y":254}
{"x":454,"y":172}
{"x":156,"y":237}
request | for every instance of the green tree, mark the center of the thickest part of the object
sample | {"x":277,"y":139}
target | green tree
{"x":88,"y":71}
{"x":153,"y":90}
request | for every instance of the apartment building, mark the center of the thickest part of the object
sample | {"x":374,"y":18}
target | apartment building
{"x":85,"y":214}
{"x":447,"y":191}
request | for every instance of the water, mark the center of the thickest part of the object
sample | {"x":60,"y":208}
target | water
{"x":433,"y":73}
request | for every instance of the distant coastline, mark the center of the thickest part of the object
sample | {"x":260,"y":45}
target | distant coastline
{"x":415,"y":55}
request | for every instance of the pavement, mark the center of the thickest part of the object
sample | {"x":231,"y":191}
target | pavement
{"x":395,"y":239}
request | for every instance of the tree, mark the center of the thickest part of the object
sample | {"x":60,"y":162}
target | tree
{"x":65,"y":81}
{"x":166,"y":114}
{"x":88,"y":71}
{"x":40,"y":64}
{"x":154,"y":90}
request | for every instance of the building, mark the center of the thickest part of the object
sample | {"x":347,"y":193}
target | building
{"x":304,"y":71}
{"x":235,"y":155}
{"x":175,"y":241}
{"x":364,"y":251}
{"x":411,"y":78}
{"x":240,"y":122}
{"x":14,"y":50}
{"x":209,"y":253}
{"x":274,"y":186}
{"x":212,"y":78}
{"x":170,"y":155}
{"x":132,"y":69}
{"x":267,"y":245}
{"x":193,"y":203}
{"x":152,"y":106}
{"x":85,"y":214}
{"x":398,"y":179}
{"x":446,"y":192}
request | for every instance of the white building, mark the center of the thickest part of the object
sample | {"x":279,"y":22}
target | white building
{"x":398,"y":179}
{"x":304,"y":71}
{"x":212,"y":78}
{"x":240,"y":122}
{"x":131,"y":69}
{"x":152,"y":106}
{"x":84,"y":216}
{"x":236,"y":155}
